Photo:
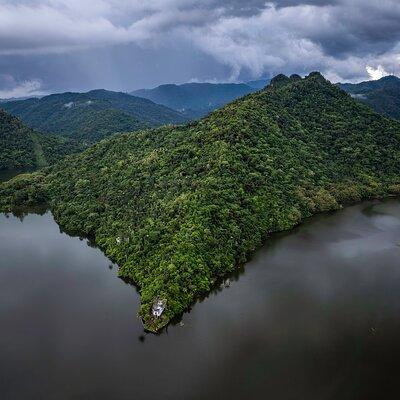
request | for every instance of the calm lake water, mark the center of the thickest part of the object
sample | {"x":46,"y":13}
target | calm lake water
{"x":7,"y":174}
{"x":315,"y":315}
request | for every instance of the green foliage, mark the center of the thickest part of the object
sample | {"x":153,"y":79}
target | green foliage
{"x":382,"y":95}
{"x":16,"y":145}
{"x":20,"y":147}
{"x":25,"y":190}
{"x":180,"y":207}
{"x":55,"y":148}
{"x":92,"y":116}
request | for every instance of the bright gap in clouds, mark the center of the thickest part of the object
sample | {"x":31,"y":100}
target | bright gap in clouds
{"x":377,"y":73}
{"x":23,"y":89}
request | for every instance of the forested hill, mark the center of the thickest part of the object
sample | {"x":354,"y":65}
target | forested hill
{"x":382,"y":95}
{"x":196,"y":99}
{"x":21,"y":147}
{"x":180,"y":207}
{"x":91,"y":116}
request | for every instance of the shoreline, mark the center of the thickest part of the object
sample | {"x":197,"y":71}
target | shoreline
{"x":158,"y":325}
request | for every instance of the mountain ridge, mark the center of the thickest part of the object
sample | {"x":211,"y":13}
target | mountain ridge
{"x":383,"y":95}
{"x":91,"y":116}
{"x":195,"y":99}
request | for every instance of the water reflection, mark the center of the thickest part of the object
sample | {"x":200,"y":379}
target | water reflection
{"x":315,"y":315}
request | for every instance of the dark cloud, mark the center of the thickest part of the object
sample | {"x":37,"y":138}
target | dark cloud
{"x":253,"y":6}
{"x":61,"y":44}
{"x":292,"y":3}
{"x":361,"y":28}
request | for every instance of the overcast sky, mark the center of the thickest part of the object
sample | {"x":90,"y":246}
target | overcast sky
{"x":58,"y":45}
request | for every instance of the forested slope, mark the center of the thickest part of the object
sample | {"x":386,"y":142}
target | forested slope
{"x":91,"y":116}
{"x":382,"y":95}
{"x":179,"y":207}
{"x":21,"y":147}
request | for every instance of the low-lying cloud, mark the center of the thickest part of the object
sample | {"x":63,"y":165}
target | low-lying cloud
{"x":13,"y":89}
{"x":377,"y":73}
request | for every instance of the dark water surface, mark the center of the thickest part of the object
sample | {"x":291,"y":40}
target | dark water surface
{"x":316,"y":315}
{"x":7,"y":174}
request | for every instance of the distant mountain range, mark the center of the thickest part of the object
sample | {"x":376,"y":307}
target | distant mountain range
{"x":198,"y":99}
{"x":18,"y":98}
{"x":93,"y":115}
{"x":382,"y":95}
{"x":195,"y":100}
{"x":258,"y":84}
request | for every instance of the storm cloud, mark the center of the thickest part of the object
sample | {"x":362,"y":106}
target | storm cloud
{"x":180,"y":40}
